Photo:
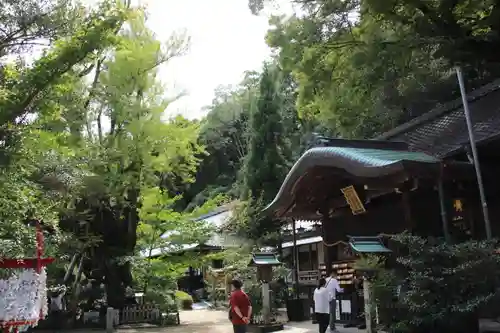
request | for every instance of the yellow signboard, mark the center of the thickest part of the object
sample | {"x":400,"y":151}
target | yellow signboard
{"x":353,"y":200}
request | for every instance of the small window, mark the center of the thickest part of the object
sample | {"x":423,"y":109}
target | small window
{"x":217,"y":263}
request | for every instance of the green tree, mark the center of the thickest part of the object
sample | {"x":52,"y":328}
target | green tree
{"x":350,"y":79}
{"x":266,"y":163}
{"x":460,"y":31}
{"x":224,"y":134}
{"x":138,"y":152}
{"x":365,"y":66}
{"x":83,"y":140}
{"x":38,"y":178}
{"x":166,"y":231}
{"x":22,"y":87}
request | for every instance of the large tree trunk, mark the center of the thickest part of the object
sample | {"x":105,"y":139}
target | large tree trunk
{"x":118,"y":239}
{"x":117,"y":279}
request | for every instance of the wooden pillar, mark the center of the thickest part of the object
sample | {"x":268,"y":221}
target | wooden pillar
{"x":295,"y":260}
{"x":406,"y":202}
{"x":311,"y":256}
{"x":442,"y":205}
{"x":327,"y":250}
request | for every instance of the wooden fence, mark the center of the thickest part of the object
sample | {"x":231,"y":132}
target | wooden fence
{"x":140,"y":314}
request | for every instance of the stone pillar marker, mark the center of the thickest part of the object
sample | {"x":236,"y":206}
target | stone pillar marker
{"x":266,"y":302}
{"x":110,"y":320}
{"x":368,"y":305}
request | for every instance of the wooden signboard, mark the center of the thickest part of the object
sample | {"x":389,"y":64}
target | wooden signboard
{"x":353,"y":200}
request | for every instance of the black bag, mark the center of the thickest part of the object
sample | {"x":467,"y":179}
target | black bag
{"x":230,"y":314}
{"x":314,"y":318}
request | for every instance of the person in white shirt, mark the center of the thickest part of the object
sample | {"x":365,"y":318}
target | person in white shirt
{"x":333,"y":287}
{"x":322,"y":305}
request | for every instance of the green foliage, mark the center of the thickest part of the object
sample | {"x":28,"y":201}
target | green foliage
{"x":369,"y":262}
{"x":185,"y":300}
{"x":266,"y":145}
{"x":385,"y":295}
{"x":167,"y":231}
{"x":345,"y":69}
{"x":84,"y":145}
{"x":226,"y":131}
{"x":386,"y":298}
{"x":268,"y":153}
{"x":40,"y":177}
{"x":166,"y":301}
{"x":223,"y":133}
{"x":459,"y":31}
{"x":446,"y":283}
{"x":236,"y":264}
{"x":21,"y":91}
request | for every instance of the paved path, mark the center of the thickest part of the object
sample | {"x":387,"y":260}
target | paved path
{"x":211,"y":321}
{"x":207,"y":321}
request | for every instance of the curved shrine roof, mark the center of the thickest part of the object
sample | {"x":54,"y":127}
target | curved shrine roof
{"x":372,"y":162}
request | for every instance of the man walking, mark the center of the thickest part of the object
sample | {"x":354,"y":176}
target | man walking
{"x":332,"y":284}
{"x":240,"y":308}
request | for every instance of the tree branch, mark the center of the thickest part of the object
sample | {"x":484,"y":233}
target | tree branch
{"x":92,"y":92}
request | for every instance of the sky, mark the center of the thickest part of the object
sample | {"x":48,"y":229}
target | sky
{"x":226,"y":41}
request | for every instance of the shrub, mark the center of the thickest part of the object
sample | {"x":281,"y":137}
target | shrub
{"x":446,"y":284}
{"x":185,"y":300}
{"x":163,"y":299}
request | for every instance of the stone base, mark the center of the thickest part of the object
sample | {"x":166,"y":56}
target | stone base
{"x":265,"y":328}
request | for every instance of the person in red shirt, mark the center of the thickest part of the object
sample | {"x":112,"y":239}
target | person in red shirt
{"x":240,"y":308}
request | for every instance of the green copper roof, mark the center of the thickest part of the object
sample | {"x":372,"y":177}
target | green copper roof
{"x":367,"y":245}
{"x":264,"y":259}
{"x":358,"y":162}
{"x":373,"y":157}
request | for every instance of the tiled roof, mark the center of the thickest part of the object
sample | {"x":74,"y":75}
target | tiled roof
{"x":367,"y":245}
{"x":268,"y":259}
{"x":442,"y":131}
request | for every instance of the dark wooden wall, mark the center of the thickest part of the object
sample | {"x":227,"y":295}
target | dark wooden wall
{"x":416,"y":211}
{"x":489,"y":157}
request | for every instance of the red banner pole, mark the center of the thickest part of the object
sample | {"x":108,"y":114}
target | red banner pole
{"x":39,"y":247}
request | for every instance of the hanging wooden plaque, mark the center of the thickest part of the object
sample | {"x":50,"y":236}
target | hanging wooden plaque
{"x":353,"y":200}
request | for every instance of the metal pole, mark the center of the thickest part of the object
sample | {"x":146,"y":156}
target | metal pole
{"x":477,"y":167}
{"x":295,"y":261}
